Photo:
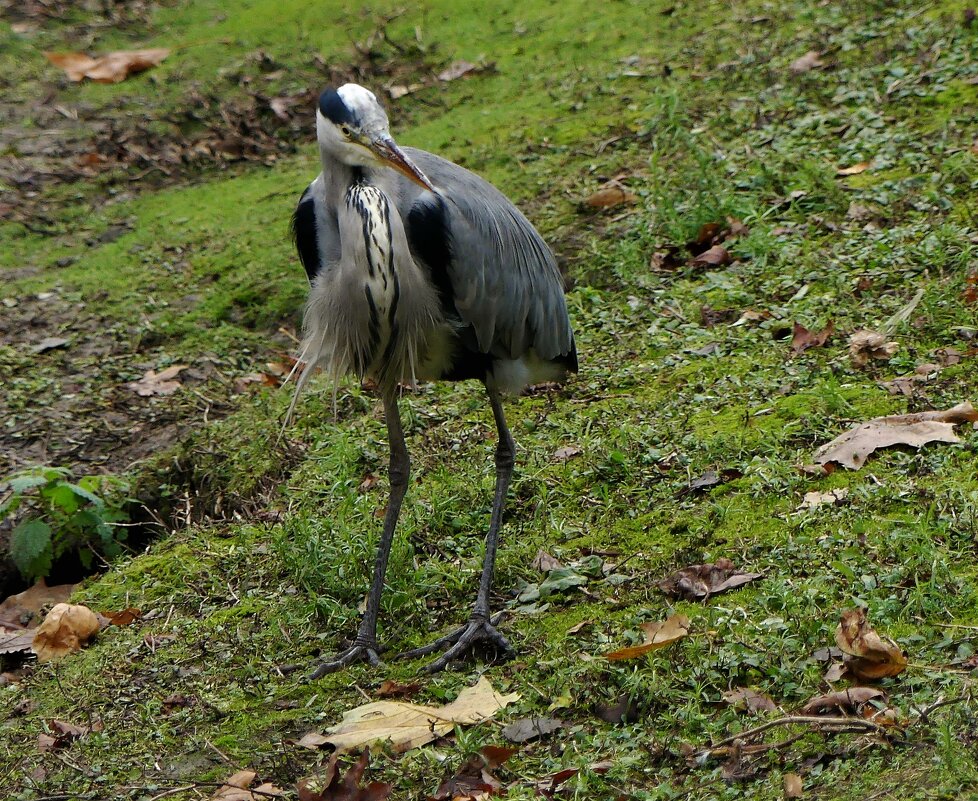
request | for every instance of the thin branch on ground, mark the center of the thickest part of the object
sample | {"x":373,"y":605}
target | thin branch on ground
{"x":823,"y":723}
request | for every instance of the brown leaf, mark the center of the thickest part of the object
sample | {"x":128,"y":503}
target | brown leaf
{"x":609,"y":197}
{"x":20,"y":609}
{"x":328,"y":786}
{"x":657,"y":635}
{"x":710,"y":234}
{"x":867,"y":655}
{"x":710,"y":478}
{"x":714,"y":257}
{"x":393,"y":689}
{"x":854,"y":169}
{"x":65,"y":629}
{"x":124,"y":618}
{"x":161,"y":383}
{"x":567,"y":452}
{"x":749,"y":699}
{"x":525,"y":729}
{"x":624,"y":710}
{"x":852,"y":448}
{"x":792,"y":786}
{"x":474,"y":780}
{"x":802,"y":339}
{"x":17,"y":642}
{"x":235,"y":788}
{"x":806,"y":63}
{"x":544,"y":562}
{"x":110,"y":68}
{"x":868,"y":345}
{"x":408,"y":726}
{"x":312,"y":739}
{"x":844,"y":701}
{"x":702,"y":581}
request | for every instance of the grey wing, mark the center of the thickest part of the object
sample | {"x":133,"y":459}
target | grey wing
{"x":501,"y":276}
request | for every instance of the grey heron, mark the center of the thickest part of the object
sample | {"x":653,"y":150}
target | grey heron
{"x":421,"y":270}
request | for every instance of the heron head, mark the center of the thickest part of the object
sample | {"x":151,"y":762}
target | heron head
{"x":352,"y":127}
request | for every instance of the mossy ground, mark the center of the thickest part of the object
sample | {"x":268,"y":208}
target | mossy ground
{"x":696,"y":105}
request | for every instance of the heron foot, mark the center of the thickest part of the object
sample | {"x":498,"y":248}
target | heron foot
{"x":358,"y":652}
{"x":478,"y":629}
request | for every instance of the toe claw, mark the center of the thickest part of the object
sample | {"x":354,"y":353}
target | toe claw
{"x":461,"y":640}
{"x":356,"y":653}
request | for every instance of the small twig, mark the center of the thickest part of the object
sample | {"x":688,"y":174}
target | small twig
{"x":172,"y":791}
{"x":854,"y":724}
{"x":924,"y":713}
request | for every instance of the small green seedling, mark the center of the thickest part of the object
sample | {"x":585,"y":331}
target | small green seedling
{"x":58,"y":517}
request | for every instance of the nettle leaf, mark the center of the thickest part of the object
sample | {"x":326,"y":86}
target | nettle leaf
{"x":30,"y":548}
{"x":20,"y":484}
{"x":9,"y":506}
{"x":81,"y":492}
{"x":61,"y":497}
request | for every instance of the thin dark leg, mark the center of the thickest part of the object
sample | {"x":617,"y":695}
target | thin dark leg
{"x":480,"y":626}
{"x":365,"y":647}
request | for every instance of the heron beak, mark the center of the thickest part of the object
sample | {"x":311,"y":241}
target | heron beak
{"x":389,"y":153}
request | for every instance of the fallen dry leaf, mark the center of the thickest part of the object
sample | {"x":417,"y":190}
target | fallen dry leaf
{"x":815,"y":499}
{"x":408,"y":726}
{"x":65,"y":629}
{"x":865,"y":346}
{"x":312,"y":739}
{"x":805,"y":63}
{"x":124,"y":618}
{"x":459,"y":69}
{"x":49,"y":343}
{"x":751,"y":700}
{"x":17,"y":642}
{"x":545,"y":562}
{"x":566,"y":452}
{"x":802,"y":339}
{"x":852,"y":448}
{"x":161,"y":383}
{"x":110,"y":68}
{"x":866,"y":655}
{"x":526,"y":729}
{"x":609,"y":197}
{"x":474,"y":780}
{"x":236,"y":787}
{"x":792,"y":785}
{"x":657,"y":635}
{"x":854,"y":169}
{"x":330,"y":786}
{"x":702,"y":581}
{"x":716,"y":256}
{"x":20,"y":609}
{"x":393,"y":689}
{"x":844,"y":701}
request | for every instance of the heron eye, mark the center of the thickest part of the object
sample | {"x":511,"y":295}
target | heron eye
{"x":345,"y":129}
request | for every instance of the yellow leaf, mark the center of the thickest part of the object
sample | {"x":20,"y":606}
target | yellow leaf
{"x":409,"y":726}
{"x":657,"y":635}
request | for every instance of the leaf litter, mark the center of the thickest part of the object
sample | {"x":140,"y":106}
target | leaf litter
{"x":330,"y":786}
{"x":866,"y":655}
{"x":112,"y":67}
{"x":657,"y":635}
{"x":701,"y":581}
{"x":852,"y":448}
{"x":64,"y":631}
{"x":406,"y":726}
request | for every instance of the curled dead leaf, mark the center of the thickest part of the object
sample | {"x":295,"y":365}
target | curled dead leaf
{"x":866,"y":346}
{"x":852,"y":448}
{"x":716,"y":256}
{"x":609,"y":197}
{"x":815,"y":499}
{"x":657,"y":635}
{"x":806,"y":63}
{"x":110,"y":68}
{"x":848,"y":701}
{"x":236,"y":788}
{"x":162,"y":383}
{"x":854,"y":169}
{"x":474,"y":780}
{"x":66,"y":628}
{"x":749,"y":699}
{"x":702,"y":581}
{"x":329,"y":785}
{"x":802,"y":339}
{"x":866,"y":655}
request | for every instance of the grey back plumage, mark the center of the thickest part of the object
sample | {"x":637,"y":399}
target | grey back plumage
{"x":504,"y":277}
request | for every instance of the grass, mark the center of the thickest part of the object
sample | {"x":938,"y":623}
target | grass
{"x":697,"y":107}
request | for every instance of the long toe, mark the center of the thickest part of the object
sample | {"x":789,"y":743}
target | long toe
{"x":460,"y":641}
{"x":357,"y":653}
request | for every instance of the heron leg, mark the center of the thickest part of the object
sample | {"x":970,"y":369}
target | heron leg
{"x":481,"y":626}
{"x":365,"y":647}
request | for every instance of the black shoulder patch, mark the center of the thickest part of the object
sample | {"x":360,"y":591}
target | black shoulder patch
{"x":304,"y":234}
{"x":428,"y":238}
{"x":333,"y":108}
